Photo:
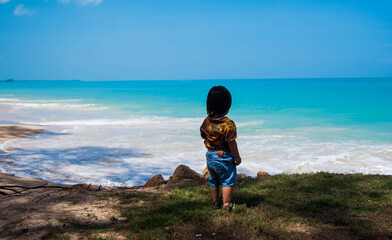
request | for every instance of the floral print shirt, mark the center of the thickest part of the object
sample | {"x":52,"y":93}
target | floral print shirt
{"x":217,"y":132}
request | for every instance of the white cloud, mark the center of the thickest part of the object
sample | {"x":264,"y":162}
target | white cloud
{"x":4,"y":1}
{"x":81,"y":2}
{"x":21,"y":10}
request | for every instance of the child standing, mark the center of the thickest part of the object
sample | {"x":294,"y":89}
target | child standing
{"x":219,"y":134}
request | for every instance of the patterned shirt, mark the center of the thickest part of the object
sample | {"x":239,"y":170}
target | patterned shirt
{"x":217,"y":132}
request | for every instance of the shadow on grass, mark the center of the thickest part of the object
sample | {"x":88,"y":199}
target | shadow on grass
{"x":307,"y":206}
{"x":340,"y":206}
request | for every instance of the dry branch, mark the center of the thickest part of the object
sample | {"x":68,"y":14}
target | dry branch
{"x":10,"y":188}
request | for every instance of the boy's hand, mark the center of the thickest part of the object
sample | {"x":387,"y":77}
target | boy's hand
{"x":220,"y":154}
{"x":234,"y":149}
{"x":237,"y":160}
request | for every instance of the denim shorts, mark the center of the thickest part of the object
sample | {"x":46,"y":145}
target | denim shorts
{"x":222,"y":169}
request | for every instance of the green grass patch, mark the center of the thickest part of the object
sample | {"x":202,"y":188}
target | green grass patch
{"x":300,"y":206}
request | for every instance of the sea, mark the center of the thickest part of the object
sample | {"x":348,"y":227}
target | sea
{"x":121,"y":133}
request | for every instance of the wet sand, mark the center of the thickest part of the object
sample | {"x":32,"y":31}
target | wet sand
{"x":8,"y":131}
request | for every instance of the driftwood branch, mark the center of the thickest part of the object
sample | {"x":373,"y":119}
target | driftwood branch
{"x":18,"y":186}
{"x":10,"y":188}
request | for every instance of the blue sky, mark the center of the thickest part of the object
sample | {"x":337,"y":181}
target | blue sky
{"x":206,"y":39}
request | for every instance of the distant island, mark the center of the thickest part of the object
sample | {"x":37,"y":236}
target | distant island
{"x":22,"y":80}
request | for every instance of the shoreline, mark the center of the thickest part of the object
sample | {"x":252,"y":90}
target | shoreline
{"x":15,"y":131}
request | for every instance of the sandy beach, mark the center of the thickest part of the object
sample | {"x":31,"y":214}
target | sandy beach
{"x":8,"y":132}
{"x":46,"y":203}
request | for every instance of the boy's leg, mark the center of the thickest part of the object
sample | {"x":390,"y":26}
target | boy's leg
{"x":226,"y":194}
{"x":215,"y":194}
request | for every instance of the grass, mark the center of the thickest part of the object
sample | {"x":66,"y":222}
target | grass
{"x":302,"y":206}
{"x":299,"y":206}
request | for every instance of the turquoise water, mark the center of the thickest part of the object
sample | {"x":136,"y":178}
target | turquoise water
{"x":339,"y":125}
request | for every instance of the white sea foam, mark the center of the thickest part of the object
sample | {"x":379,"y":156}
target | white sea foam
{"x":156,"y":122}
{"x":130,"y":154}
{"x":250,"y":123}
{"x":6,"y":100}
{"x":38,"y":101}
{"x":3,"y":151}
{"x":17,"y":104}
{"x":106,"y":148}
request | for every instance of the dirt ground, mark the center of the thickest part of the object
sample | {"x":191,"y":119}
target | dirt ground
{"x":38,"y":213}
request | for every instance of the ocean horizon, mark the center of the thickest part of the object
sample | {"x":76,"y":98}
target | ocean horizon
{"x":124,"y":132}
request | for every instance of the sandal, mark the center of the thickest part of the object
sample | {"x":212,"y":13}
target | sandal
{"x":217,"y":205}
{"x":229,"y":208}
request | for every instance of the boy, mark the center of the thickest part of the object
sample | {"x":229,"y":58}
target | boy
{"x":219,"y":134}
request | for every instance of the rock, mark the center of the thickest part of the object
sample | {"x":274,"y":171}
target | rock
{"x":155,"y":181}
{"x":184,"y":172}
{"x":241,"y":175}
{"x":206,"y":173}
{"x":170,"y":181}
{"x":262,"y":174}
{"x":85,"y":187}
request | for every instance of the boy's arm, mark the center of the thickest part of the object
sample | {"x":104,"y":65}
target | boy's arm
{"x":234,"y":149}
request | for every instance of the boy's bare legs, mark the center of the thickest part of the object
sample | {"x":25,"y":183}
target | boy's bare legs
{"x":215,"y":194}
{"x":226,"y":194}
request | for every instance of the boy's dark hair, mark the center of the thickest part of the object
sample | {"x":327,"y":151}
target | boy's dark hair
{"x":218,"y":101}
